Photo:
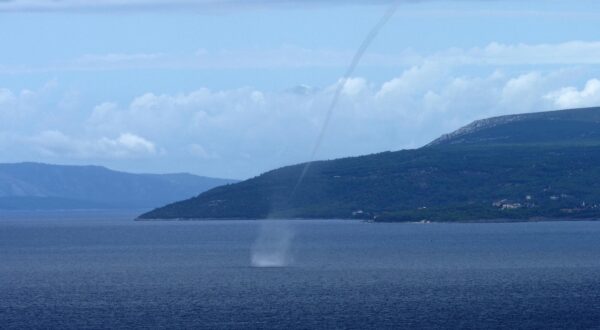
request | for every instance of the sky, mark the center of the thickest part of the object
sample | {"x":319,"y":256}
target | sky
{"x":232,"y":88}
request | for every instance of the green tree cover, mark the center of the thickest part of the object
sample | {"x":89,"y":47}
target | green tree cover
{"x":506,"y":169}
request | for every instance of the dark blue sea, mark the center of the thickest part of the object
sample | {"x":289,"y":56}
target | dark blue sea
{"x":108,"y":272}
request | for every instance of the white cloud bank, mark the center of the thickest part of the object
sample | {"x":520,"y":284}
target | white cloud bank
{"x":571,"y":97}
{"x":242,"y":132}
{"x":56,"y":144}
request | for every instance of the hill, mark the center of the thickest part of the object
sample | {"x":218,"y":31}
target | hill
{"x":578,"y":126}
{"x":541,"y":165}
{"x":35,"y":186}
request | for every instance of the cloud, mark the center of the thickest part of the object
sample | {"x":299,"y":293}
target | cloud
{"x":244,"y":131}
{"x":294,"y":57}
{"x":571,"y":97}
{"x":573,"y":52}
{"x":54,"y":143}
{"x":287,"y":56}
{"x":116,"y":60}
{"x":7,"y":100}
{"x":201,"y":5}
{"x":127,"y":144}
{"x":15,"y":106}
{"x":6,"y":96}
{"x":228,"y":5}
{"x":353,"y":86}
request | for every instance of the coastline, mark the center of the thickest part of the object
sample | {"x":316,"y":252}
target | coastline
{"x":482,"y":221}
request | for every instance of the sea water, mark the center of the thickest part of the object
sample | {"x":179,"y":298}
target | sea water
{"x":107,"y":271}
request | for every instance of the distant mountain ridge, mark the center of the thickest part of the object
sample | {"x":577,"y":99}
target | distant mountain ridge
{"x":29,"y":186}
{"x":529,"y":166}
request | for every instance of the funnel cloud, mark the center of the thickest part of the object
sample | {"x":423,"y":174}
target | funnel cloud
{"x":349,"y":72}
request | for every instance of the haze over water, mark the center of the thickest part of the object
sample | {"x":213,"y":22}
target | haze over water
{"x":114,"y":273}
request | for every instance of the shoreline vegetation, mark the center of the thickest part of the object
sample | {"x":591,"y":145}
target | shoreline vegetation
{"x":480,"y":221}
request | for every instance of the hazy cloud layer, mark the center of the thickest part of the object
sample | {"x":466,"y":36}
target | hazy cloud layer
{"x":224,"y":6}
{"x":289,"y":56}
{"x":68,"y":5}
